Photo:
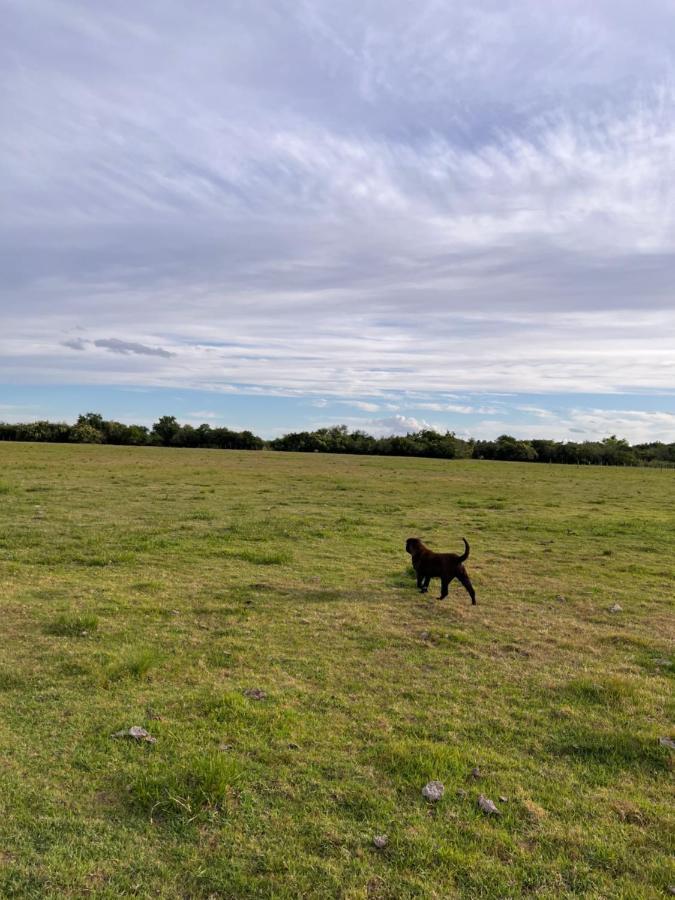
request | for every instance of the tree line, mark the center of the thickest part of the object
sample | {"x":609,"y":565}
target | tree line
{"x":92,"y":428}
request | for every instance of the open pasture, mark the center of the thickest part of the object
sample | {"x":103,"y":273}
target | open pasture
{"x":155,"y":587}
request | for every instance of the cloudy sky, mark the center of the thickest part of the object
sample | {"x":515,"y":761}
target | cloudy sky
{"x":280,"y":214}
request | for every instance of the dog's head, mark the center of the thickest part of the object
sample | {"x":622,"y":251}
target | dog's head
{"x":413,"y":545}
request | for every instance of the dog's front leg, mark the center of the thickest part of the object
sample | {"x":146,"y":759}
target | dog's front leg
{"x":425,"y":583}
{"x":444,"y":587}
{"x":420,"y":582}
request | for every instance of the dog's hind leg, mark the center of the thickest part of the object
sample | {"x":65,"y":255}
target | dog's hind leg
{"x":466,"y":581}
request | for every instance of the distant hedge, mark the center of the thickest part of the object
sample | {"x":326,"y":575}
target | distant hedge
{"x":92,"y":428}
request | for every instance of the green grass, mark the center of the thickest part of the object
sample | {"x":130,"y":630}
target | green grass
{"x":72,"y":626}
{"x":155,"y":587}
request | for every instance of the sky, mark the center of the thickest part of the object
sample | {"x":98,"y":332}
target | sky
{"x":285,"y":214}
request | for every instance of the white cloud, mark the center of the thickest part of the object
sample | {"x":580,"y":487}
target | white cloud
{"x":458,"y":408}
{"x":636,"y":426}
{"x":361,"y":404}
{"x":392,"y":425}
{"x":205,"y":415}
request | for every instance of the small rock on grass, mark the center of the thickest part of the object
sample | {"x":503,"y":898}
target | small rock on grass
{"x":380,"y":841}
{"x":255,"y":694}
{"x":667,"y":742}
{"x":475,"y":772}
{"x":433,"y":791}
{"x":616,"y":608}
{"x":487,"y":806}
{"x":137,"y":734}
{"x":504,"y":799}
{"x":560,"y":598}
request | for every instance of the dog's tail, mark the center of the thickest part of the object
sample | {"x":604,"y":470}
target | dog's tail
{"x":465,"y":555}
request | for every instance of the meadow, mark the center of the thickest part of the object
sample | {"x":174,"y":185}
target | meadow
{"x":257,"y":614}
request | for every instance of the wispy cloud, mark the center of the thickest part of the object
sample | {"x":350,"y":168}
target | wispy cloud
{"x":117,"y":346}
{"x":365,"y":405}
{"x":75,"y":344}
{"x":114,"y":345}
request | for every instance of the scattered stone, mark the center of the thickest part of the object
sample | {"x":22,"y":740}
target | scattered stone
{"x":224,"y":748}
{"x":461,"y":792}
{"x":560,"y":598}
{"x":661,"y":662}
{"x":380,"y":841}
{"x":616,"y":608}
{"x":475,"y":772}
{"x":667,"y":742}
{"x":433,"y":791}
{"x":137,"y":733}
{"x":255,"y":694}
{"x":504,"y":799}
{"x":425,"y":635}
{"x":671,"y":888}
{"x":294,"y":746}
{"x":627,"y":812}
{"x":487,"y":806}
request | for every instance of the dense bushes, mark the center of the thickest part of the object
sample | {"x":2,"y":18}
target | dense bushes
{"x":92,"y":428}
{"x":339,"y":440}
{"x":611,"y":451}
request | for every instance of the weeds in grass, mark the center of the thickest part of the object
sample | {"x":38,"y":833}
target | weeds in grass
{"x":201,"y":784}
{"x":612,"y":749}
{"x":610,"y":692}
{"x":10,"y":681}
{"x":260,"y":557}
{"x":67,"y":625}
{"x":413,"y":763}
{"x":135,"y":664}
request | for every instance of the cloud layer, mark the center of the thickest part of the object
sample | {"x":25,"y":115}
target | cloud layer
{"x":340,"y":200}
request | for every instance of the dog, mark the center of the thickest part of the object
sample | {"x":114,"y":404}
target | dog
{"x":445,"y":566}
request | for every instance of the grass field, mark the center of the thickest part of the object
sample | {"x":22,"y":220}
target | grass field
{"x":154,"y":587}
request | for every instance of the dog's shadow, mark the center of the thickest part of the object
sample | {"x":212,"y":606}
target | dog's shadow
{"x":403,"y":579}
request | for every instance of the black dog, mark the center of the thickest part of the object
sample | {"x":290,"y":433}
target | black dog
{"x":445,"y":566}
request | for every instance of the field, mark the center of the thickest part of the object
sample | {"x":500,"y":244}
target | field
{"x":156,"y":587}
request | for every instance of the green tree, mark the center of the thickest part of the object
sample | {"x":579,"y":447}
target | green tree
{"x":166,"y":429}
{"x":84,"y":433}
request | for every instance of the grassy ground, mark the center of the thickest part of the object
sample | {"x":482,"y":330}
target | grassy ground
{"x":155,"y":587}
